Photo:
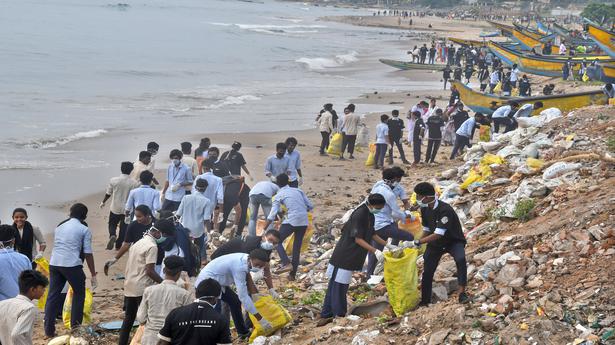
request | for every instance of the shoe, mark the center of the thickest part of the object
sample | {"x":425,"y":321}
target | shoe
{"x":292,"y":276}
{"x":342,"y":158}
{"x":245,"y":336}
{"x":283,"y":268}
{"x":423,"y":304}
{"x":351,"y":157}
{"x":406,"y":162}
{"x":323,"y":321}
{"x":323,"y":154}
{"x":111,"y":242}
{"x":464,"y":298}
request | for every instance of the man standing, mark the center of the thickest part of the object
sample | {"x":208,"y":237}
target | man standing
{"x":296,"y":222}
{"x":141,"y":272}
{"x":145,"y":158}
{"x":260,"y":197}
{"x":465,"y":132}
{"x":514,"y":76}
{"x":72,"y":238}
{"x":194,"y":213}
{"x":417,"y":136}
{"x":19,"y":313}
{"x":483,"y":78}
{"x":423,"y":53}
{"x":294,"y":163}
{"x":525,"y":88}
{"x":234,"y":269}
{"x":446,"y":74}
{"x":178,"y":177}
{"x":325,"y":126}
{"x":159,"y":300}
{"x":432,"y":55}
{"x":12,"y":263}
{"x":188,"y":160}
{"x":144,"y":195}
{"x":118,"y":189}
{"x":351,"y":128}
{"x":434,"y":135}
{"x":443,"y":234}
{"x":494,"y":79}
{"x":214,"y":191}
{"x":382,"y":141}
{"x":396,"y":129}
{"x":277,"y":164}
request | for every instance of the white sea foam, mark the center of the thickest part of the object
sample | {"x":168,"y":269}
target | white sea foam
{"x":51,"y":143}
{"x":320,"y":63}
{"x":232,"y":100}
{"x":276,"y":29}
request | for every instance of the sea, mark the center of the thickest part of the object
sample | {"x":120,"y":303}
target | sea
{"x":85,"y":84}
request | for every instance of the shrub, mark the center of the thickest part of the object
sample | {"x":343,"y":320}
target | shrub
{"x":523,"y":209}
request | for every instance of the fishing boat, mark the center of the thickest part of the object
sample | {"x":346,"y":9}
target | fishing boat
{"x":542,"y":28}
{"x":403,"y":65}
{"x":602,"y":72}
{"x":570,"y":38}
{"x":505,"y":29}
{"x":529,"y":32}
{"x":484,"y":103}
{"x":540,"y":65}
{"x":530,"y":41}
{"x":604,"y":38}
{"x":466,"y":43}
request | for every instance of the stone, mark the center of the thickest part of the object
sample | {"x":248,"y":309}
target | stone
{"x":501,"y":261}
{"x":509,"y":273}
{"x":439,"y":337}
{"x":596,"y":232}
{"x":505,"y":290}
{"x":487,"y":290}
{"x":558,"y":262}
{"x":487,"y":325}
{"x":580,"y":236}
{"x":486,"y":255}
{"x":534,"y":283}
{"x":516,"y":283}
{"x":365,"y":337}
{"x":439,"y":292}
{"x":450,"y":283}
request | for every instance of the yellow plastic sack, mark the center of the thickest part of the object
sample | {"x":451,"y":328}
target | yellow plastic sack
{"x":515,"y":92}
{"x":484,"y":133}
{"x":87,"y":307}
{"x":371,"y":158}
{"x":42,"y":265}
{"x":490,"y":158}
{"x":401,"y":279}
{"x":335,"y":145}
{"x":136,"y":338}
{"x":534,"y":163}
{"x":585,"y":78}
{"x":273,"y":312}
{"x":477,"y":174}
{"x":288,"y":243}
{"x":498,"y":87}
{"x":414,"y":227}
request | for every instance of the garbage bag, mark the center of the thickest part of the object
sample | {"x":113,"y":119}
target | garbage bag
{"x":362,"y":137}
{"x":68,"y":303}
{"x":371,"y":158}
{"x":534,"y":163}
{"x":42,"y":265}
{"x":401,"y":279}
{"x":288,"y":244}
{"x":558,"y":169}
{"x":498,"y":87}
{"x":273,"y":312}
{"x":414,"y":227}
{"x":484,"y":133}
{"x":489,"y":159}
{"x":335,"y":145}
{"x":136,"y":338}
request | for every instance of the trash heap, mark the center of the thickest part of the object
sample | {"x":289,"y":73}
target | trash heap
{"x":538,"y":207}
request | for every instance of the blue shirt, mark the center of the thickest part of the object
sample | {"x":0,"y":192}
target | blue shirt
{"x":215,"y":189}
{"x":297,"y":204}
{"x":501,"y":112}
{"x":525,"y":110}
{"x":194,"y":211}
{"x":70,"y":238}
{"x":266,"y":188}
{"x":229,"y":269}
{"x":12,"y":264}
{"x":177,"y":176}
{"x":294,"y":164}
{"x":275,"y":166}
{"x":144,"y":195}
{"x":391,"y":211}
{"x":467,"y":127}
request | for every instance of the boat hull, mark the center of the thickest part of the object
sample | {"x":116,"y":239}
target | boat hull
{"x":481,"y":102}
{"x":604,"y":39}
{"x":402,"y":65}
{"x":602,"y":72}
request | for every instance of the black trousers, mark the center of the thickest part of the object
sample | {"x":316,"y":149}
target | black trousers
{"x":502,"y":121}
{"x":348,"y":142}
{"x":58,"y":276}
{"x":460,"y":143}
{"x":397,"y":142}
{"x":432,"y":149}
{"x":114,"y":221}
{"x":432,"y":258}
{"x":131,"y":305}
{"x":324,"y":144}
{"x":416,"y":147}
{"x":483,"y":87}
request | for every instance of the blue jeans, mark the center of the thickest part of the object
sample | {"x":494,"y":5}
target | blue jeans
{"x":335,"y":303}
{"x":432,"y":259}
{"x":389,"y":231}
{"x":381,"y":152}
{"x":258,"y":201}
{"x":285,"y":231}
{"x":200,"y":243}
{"x":58,"y":276}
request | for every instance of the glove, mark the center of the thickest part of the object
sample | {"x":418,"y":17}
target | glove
{"x":109,"y":264}
{"x":102,"y":204}
{"x":38,"y":256}
{"x":265,"y":325}
{"x":410,"y":215}
{"x":273,"y":179}
{"x":274,"y":293}
{"x":379,"y":255}
{"x":416,"y":244}
{"x":392,"y":248}
{"x":300,"y":180}
{"x":175,"y":187}
{"x":94,"y":282}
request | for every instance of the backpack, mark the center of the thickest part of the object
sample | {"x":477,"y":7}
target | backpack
{"x":192,"y":259}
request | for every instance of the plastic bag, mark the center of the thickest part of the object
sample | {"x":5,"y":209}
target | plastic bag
{"x":484,"y":133}
{"x":489,"y":159}
{"x":42,"y":265}
{"x":335,"y":145}
{"x":371,"y":158}
{"x":288,"y":244}
{"x":87,"y":307}
{"x":136,"y":338}
{"x":498,"y":87}
{"x":534,"y":163}
{"x":363,"y":137}
{"x":414,"y":227}
{"x":558,"y":169}
{"x":273,"y":312}
{"x":401,"y":279}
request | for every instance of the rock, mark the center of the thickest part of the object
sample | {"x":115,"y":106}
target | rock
{"x":501,"y":261}
{"x":439,"y":337}
{"x":487,"y":290}
{"x":487,"y":325}
{"x":580,"y":236}
{"x":509,"y":272}
{"x":476,"y":334}
{"x":516,"y":283}
{"x":596,"y":232}
{"x":486,"y":255}
{"x":450,"y":283}
{"x":449,"y":174}
{"x":558,"y":262}
{"x":534,"y":283}
{"x":365,"y":337}
{"x":439,"y":292}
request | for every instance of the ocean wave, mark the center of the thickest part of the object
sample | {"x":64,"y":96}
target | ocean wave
{"x":51,"y":143}
{"x":320,"y":63}
{"x":232,"y":100}
{"x":275,"y":29}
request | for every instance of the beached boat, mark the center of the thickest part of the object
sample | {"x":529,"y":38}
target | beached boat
{"x":529,"y":32}
{"x":540,"y":65}
{"x":542,"y":28}
{"x":604,"y":38}
{"x":506,"y":30}
{"x":403,"y":65}
{"x":602,"y":72}
{"x":466,"y":43}
{"x":529,"y":41}
{"x":481,"y":102}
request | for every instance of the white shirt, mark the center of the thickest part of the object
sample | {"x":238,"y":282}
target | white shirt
{"x":494,"y":78}
{"x":501,"y":112}
{"x":514,"y":74}
{"x":466,"y":127}
{"x":325,"y":122}
{"x":191,"y":164}
{"x":70,"y":238}
{"x":391,"y":211}
{"x":177,"y":175}
{"x":144,"y":195}
{"x":297,"y":204}
{"x":215,"y":189}
{"x":138,"y":168}
{"x":194,"y":211}
{"x":562,"y":49}
{"x":382,"y":133}
{"x":17,"y":321}
{"x":525,"y":110}
{"x":351,"y":124}
{"x":119,"y":187}
{"x":267,"y":188}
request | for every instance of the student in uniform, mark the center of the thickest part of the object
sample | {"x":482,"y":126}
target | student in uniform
{"x":141,"y":165}
{"x":20,"y":313}
{"x":396,"y":129}
{"x":160,"y":299}
{"x":144,"y":195}
{"x":349,"y":255}
{"x":277,"y":164}
{"x":189,"y":161}
{"x":214,"y":191}
{"x":446,"y":74}
{"x":296,"y":221}
{"x":141,"y":272}
{"x":502,"y":116}
{"x":443,"y":234}
{"x":12,"y":263}
{"x":417,"y":136}
{"x":194,"y":213}
{"x":294,"y":163}
{"x":26,"y":235}
{"x":527,"y":109}
{"x":234,"y":160}
{"x":351,"y":129}
{"x":198,"y":323}
{"x":178,"y":177}
{"x":261,"y":197}
{"x":118,"y":190}
{"x":326,"y":125}
{"x":382,"y":141}
{"x":465,"y":133}
{"x":235,"y":269}
{"x":434,"y":135}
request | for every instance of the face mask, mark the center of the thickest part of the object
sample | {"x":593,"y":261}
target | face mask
{"x":176,"y":162}
{"x":161,"y":239}
{"x":267,"y":245}
{"x":374,"y":210}
{"x":203,"y":300}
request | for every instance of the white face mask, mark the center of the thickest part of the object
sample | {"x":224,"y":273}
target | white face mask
{"x":267,"y":245}
{"x":176,"y":162}
{"x":203,"y":300}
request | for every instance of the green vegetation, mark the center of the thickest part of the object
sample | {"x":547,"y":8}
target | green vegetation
{"x":599,"y":12}
{"x":610,"y":143}
{"x":494,"y":214}
{"x":314,"y":298}
{"x":523,"y":209}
